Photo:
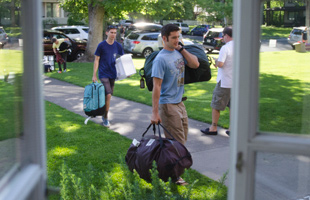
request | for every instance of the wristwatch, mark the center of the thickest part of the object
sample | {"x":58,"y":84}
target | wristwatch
{"x":180,"y":49}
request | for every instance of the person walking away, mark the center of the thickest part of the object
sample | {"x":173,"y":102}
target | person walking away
{"x":61,"y":55}
{"x":221,"y":93}
{"x":168,"y":86}
{"x":105,"y":56}
{"x":122,"y":32}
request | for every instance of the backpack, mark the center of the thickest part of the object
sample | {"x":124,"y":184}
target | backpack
{"x":63,"y":46}
{"x":94,"y":100}
{"x":202,"y":73}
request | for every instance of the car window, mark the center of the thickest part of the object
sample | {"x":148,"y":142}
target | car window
{"x":150,"y":37}
{"x":214,"y":34}
{"x":297,"y":31}
{"x":47,"y":38}
{"x":184,"y":25}
{"x":133,"y":36}
{"x":85,"y":29}
{"x":58,"y":36}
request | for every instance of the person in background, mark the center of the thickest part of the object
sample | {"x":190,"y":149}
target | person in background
{"x":221,"y":93}
{"x":168,"y":86}
{"x":61,"y":55}
{"x":105,"y":56}
{"x":122,"y":32}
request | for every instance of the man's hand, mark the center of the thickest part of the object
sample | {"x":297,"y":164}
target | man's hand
{"x":155,"y":119}
{"x":94,"y":79}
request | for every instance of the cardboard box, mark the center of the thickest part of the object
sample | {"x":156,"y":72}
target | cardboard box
{"x":124,"y":67}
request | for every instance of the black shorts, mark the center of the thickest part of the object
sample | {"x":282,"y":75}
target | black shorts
{"x":108,"y":84}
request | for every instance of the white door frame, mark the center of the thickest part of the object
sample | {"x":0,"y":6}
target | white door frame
{"x":27,"y":179}
{"x":245,"y":140}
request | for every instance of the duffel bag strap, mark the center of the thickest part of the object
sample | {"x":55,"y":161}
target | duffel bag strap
{"x":154,"y":129}
{"x":159,"y":124}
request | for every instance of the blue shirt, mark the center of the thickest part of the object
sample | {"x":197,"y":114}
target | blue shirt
{"x":170,"y":67}
{"x":108,"y":54}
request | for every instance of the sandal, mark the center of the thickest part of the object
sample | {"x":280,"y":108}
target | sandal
{"x":181,"y":182}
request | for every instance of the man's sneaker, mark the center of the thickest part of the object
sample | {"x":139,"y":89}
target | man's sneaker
{"x":65,"y":70}
{"x":106,"y":123}
{"x":59,"y":72}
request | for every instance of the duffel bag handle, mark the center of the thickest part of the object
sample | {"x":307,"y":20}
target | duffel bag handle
{"x":154,"y":130}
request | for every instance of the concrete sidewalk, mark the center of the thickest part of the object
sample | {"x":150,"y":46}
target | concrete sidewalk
{"x":210,"y":153}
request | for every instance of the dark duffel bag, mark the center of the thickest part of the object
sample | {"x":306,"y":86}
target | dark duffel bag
{"x":171,"y":156}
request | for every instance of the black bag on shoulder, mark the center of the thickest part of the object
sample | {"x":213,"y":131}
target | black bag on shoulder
{"x":202,"y":73}
{"x":171,"y":156}
{"x":64,"y":46}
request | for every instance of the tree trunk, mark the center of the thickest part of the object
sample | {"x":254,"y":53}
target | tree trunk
{"x":307,"y":13}
{"x":12,"y":8}
{"x":308,"y":19}
{"x":96,"y":14}
{"x":268,"y":13}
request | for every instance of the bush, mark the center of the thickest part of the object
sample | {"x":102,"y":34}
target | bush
{"x":120,"y":185}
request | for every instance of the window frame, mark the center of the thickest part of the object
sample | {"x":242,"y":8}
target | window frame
{"x":28,"y":179}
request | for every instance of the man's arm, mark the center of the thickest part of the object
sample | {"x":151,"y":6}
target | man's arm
{"x":192,"y":60}
{"x":218,"y":63}
{"x":155,"y":119}
{"x":96,"y":64}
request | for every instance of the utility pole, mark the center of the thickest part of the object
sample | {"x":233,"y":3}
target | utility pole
{"x":308,"y":19}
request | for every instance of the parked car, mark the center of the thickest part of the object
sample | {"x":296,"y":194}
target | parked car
{"x":213,"y":39}
{"x":141,"y":43}
{"x":74,"y":32}
{"x":125,"y":22}
{"x":160,"y":42}
{"x":3,"y":37}
{"x":183,"y":26}
{"x":200,"y":29}
{"x":78,"y":47}
{"x":295,"y":35}
{"x":142,"y":26}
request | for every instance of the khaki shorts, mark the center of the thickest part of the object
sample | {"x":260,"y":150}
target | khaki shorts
{"x":174,"y":119}
{"x":221,"y":97}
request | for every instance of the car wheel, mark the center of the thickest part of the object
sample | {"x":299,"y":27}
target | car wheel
{"x":209,"y":50}
{"x":293,"y":47}
{"x":146,"y":52}
{"x":192,"y":33}
{"x":79,"y":54}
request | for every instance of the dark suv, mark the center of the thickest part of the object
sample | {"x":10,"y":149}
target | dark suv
{"x":78,"y":47}
{"x":213,"y":39}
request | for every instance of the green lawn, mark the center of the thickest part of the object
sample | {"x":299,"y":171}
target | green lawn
{"x":270,"y":32}
{"x":284,"y":86}
{"x":77,"y":145}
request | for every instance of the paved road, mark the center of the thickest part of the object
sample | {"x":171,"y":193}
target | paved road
{"x":281,"y":44}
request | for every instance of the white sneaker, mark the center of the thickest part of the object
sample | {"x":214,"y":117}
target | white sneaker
{"x":106,"y":123}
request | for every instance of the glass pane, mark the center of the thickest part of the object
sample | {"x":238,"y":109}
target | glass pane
{"x":11,"y":70}
{"x":280,"y":176}
{"x":284,"y":81}
{"x":49,"y":10}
